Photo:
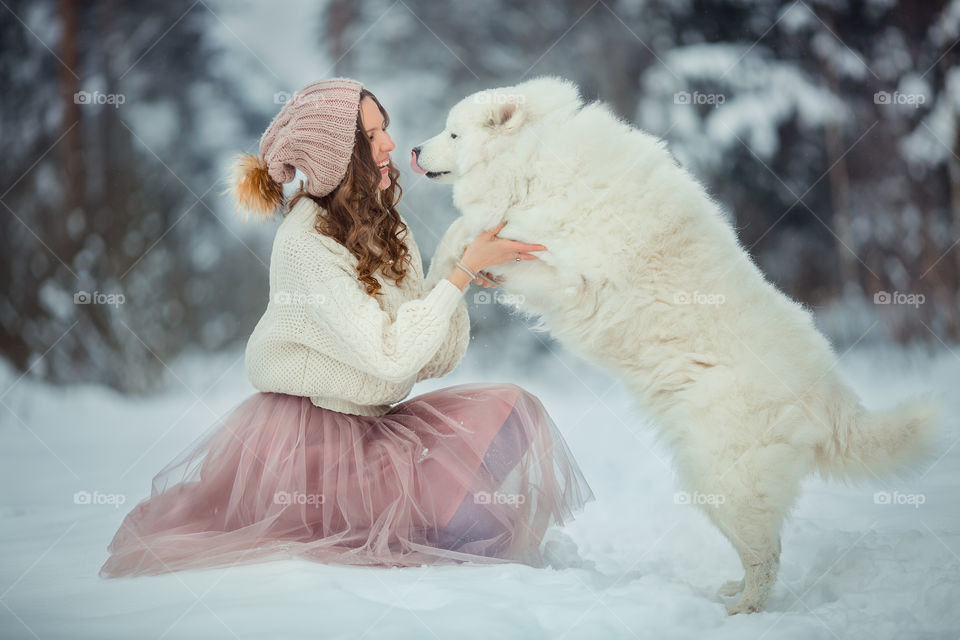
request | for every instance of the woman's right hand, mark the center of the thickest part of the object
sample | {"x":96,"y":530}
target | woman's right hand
{"x":489,"y":249}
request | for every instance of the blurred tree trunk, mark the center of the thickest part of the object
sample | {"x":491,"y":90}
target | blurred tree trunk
{"x":840,"y":201}
{"x":616,"y":56}
{"x":838,"y":178}
{"x":339,"y":16}
{"x":941,"y":271}
{"x":953,"y":164}
{"x":953,"y":173}
{"x":69,"y":87}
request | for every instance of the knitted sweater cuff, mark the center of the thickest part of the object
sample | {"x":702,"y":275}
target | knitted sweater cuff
{"x":445,"y":294}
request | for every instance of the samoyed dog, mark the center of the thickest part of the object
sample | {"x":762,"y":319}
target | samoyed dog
{"x":644,"y":275}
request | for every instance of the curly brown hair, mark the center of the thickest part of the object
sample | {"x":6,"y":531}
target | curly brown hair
{"x":362,"y":217}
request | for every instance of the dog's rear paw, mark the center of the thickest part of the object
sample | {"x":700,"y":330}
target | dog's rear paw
{"x":749,"y":603}
{"x":743,"y":607}
{"x":731,"y":588}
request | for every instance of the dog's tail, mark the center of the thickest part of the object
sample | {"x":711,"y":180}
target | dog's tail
{"x":866,"y":444}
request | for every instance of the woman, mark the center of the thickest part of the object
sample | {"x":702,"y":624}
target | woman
{"x":327,"y":461}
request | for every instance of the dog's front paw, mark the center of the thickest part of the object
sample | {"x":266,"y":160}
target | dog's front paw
{"x":731,"y":588}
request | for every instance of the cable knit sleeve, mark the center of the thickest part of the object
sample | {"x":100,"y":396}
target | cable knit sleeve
{"x":453,"y":347}
{"x":450,"y":249}
{"x":353,"y":328}
{"x":458,"y":336}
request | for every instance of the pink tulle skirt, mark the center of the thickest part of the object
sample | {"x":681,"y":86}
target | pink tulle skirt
{"x":474,"y":472}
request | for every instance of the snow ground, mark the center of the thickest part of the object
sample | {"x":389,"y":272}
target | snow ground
{"x":647,"y":567}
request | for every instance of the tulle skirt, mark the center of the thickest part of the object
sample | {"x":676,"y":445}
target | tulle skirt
{"x":474,"y":472}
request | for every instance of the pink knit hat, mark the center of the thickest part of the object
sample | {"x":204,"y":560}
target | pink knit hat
{"x":314,"y":132}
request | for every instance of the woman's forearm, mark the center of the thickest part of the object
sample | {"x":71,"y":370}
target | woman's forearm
{"x":460,"y":278}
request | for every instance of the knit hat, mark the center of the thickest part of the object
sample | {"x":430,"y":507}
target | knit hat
{"x":314,"y":132}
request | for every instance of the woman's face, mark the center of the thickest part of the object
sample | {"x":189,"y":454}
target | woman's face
{"x":380,"y":143}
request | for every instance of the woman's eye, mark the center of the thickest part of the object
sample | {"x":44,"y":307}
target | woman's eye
{"x":453,"y":135}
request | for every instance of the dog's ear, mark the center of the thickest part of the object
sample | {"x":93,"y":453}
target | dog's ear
{"x":548,"y":97}
{"x":508,"y":108}
{"x":505,"y":115}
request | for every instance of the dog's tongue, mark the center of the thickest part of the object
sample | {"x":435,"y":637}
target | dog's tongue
{"x":414,"y":165}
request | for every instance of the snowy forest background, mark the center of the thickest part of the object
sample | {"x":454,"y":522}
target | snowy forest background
{"x":827,"y":128}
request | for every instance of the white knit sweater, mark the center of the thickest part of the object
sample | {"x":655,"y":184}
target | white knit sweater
{"x":322,"y":336}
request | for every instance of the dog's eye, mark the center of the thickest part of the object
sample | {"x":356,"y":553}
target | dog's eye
{"x":453,"y":135}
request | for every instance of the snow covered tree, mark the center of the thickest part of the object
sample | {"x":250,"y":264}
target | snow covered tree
{"x":113,"y":257}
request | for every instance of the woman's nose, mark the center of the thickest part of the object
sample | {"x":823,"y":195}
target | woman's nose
{"x":388,"y":145}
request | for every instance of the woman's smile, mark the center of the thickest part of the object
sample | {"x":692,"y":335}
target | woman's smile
{"x":374,"y":124}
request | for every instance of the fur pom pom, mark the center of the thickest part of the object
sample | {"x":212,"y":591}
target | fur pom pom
{"x":254,"y":190}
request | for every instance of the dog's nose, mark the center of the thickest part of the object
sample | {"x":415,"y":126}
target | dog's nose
{"x":414,"y":161}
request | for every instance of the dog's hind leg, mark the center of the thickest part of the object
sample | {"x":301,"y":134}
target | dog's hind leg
{"x":757,"y":542}
{"x":761,"y":561}
{"x":734,"y":587}
{"x":749,"y":502}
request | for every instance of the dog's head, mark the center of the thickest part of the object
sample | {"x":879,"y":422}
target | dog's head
{"x":481,"y":127}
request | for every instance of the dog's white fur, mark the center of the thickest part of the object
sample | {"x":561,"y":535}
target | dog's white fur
{"x":644,"y":275}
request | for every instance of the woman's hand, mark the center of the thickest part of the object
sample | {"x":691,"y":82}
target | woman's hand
{"x":489,"y":249}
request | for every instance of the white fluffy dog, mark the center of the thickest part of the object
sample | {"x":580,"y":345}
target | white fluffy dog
{"x":644,"y":275}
